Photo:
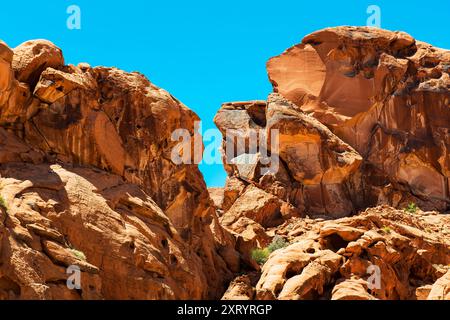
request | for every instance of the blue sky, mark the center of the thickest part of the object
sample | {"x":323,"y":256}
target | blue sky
{"x":205,"y":52}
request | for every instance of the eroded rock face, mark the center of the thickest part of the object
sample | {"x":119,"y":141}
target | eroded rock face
{"x":86,"y":178}
{"x":124,"y":244}
{"x":316,"y":159}
{"x":315,"y":174}
{"x":120,"y":124}
{"x":31,"y":58}
{"x":336,"y":259}
{"x":240,"y":289}
{"x":441,"y":288}
{"x":363,"y":119}
{"x":386,"y":95}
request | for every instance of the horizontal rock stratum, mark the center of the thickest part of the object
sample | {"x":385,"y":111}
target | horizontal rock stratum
{"x":87,"y":180}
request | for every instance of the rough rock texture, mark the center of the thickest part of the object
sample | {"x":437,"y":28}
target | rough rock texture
{"x":31,"y":58}
{"x":132,"y":249}
{"x":316,"y":172}
{"x":216,"y":195}
{"x":331,"y":259}
{"x":363,"y":119}
{"x":316,"y":159}
{"x":441,"y":288}
{"x":240,"y":289}
{"x":386,"y":95}
{"x":147,"y":226}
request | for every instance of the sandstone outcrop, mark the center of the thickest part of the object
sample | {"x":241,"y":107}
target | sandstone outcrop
{"x":316,"y":171}
{"x":85,"y":163}
{"x":124,"y":244}
{"x":386,"y":95}
{"x":441,"y":288}
{"x":340,"y":259}
{"x":341,"y":178}
{"x":363,"y":119}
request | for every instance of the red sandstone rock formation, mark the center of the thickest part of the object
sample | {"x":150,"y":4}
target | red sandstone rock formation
{"x":363,"y":117}
{"x":86,"y":178}
{"x":85,"y":164}
{"x":386,"y":95}
{"x":331,"y":259}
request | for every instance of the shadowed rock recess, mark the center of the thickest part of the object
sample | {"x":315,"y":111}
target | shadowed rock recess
{"x":86,"y":179}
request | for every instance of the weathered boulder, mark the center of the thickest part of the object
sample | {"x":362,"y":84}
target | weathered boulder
{"x":351,"y":289}
{"x":359,"y":117}
{"x":240,"y":289}
{"x":31,"y":58}
{"x":6,"y":74}
{"x":256,"y":205}
{"x":216,"y":195}
{"x":317,"y":159}
{"x":316,"y":170}
{"x":233,"y":189}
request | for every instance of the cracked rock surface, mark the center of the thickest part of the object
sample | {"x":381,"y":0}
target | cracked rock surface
{"x":85,"y":171}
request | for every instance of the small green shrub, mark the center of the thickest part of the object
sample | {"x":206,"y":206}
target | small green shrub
{"x":260,"y":255}
{"x":386,"y":229}
{"x":78,"y":254}
{"x":3,"y":203}
{"x":411,"y":208}
{"x":277,"y":243}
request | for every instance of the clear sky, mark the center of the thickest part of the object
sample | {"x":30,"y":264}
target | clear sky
{"x":205,"y":52}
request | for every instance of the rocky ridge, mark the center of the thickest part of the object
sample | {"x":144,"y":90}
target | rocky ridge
{"x":86,"y":172}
